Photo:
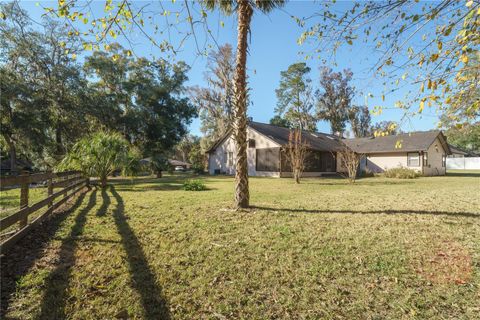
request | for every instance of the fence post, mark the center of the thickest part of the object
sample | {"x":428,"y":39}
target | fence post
{"x":24,"y":195}
{"x":50,"y":188}
{"x":66,"y":193}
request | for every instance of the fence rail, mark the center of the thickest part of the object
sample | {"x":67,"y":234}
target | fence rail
{"x":70,"y":181}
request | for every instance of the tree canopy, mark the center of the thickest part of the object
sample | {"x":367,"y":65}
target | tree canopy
{"x":430,"y":46}
{"x":50,"y":100}
{"x":295,"y":98}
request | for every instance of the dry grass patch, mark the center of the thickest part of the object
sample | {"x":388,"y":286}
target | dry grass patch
{"x":448,"y":263}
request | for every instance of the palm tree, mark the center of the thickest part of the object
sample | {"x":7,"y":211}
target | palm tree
{"x":244,"y":9}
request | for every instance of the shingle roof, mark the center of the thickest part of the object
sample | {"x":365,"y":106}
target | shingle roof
{"x":463,"y":152}
{"x":413,"y":141}
{"x":316,"y":140}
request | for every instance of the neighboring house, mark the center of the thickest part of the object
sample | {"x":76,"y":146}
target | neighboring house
{"x":459,"y":153}
{"x":422,"y":151}
{"x":177,"y":163}
{"x":21,"y":164}
{"x":173,"y":163}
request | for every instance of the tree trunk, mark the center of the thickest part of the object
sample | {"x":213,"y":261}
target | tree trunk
{"x":297,"y":177}
{"x":159,"y":174}
{"x":58,"y":141}
{"x":13,"y":153}
{"x":103,"y":181}
{"x":244,"y":16}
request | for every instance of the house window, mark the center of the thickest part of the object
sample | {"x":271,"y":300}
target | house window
{"x":267,"y":159}
{"x":251,"y":143}
{"x":425,"y":159}
{"x":225,"y":158}
{"x":444,"y":160}
{"x":413,"y":159}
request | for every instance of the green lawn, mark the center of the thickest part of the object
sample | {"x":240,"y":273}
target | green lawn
{"x":382,"y":248}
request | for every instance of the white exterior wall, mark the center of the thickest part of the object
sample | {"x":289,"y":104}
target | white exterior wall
{"x":383,"y":161}
{"x":434,"y":165}
{"x":216,"y":159}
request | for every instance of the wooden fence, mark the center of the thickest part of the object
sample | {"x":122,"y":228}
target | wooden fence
{"x":71,"y":182}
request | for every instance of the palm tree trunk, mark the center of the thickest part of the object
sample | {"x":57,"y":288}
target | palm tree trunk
{"x":244,"y":15}
{"x":103,"y":181}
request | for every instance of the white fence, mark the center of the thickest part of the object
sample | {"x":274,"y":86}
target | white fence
{"x":463,"y":163}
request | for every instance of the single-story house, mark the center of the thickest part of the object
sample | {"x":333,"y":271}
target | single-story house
{"x":177,"y":163}
{"x":459,"y":153}
{"x":421,"y":151}
{"x":173,"y":163}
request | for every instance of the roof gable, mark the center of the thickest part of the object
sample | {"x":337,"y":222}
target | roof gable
{"x":316,"y":140}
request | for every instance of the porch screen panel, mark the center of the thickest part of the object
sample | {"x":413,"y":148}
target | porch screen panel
{"x":313,"y":161}
{"x":267,"y":159}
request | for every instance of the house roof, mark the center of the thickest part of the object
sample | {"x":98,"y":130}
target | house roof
{"x":174,"y":162}
{"x":407,"y":142}
{"x":462,"y":152}
{"x":315,"y":140}
{"x":414,"y":141}
{"x":219,"y":141}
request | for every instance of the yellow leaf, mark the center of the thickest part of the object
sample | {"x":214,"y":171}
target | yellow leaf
{"x":422,"y":105}
{"x":74,"y":56}
{"x":469,"y":3}
{"x":439,"y":45}
{"x":464,"y":58}
{"x":422,"y":87}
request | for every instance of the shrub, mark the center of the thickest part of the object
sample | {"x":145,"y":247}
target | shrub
{"x":198,"y":169}
{"x":99,"y":155}
{"x":194,"y":185}
{"x":401,"y":173}
{"x":367,"y":173}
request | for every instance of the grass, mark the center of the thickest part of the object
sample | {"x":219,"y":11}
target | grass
{"x":381,"y":248}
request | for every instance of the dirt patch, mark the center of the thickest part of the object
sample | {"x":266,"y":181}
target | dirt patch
{"x":448,"y":263}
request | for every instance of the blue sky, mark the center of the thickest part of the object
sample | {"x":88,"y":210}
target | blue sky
{"x":273,"y":48}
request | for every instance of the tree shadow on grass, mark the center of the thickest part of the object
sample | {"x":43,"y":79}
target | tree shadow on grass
{"x":153,"y":187}
{"x":102,"y":211}
{"x":17,"y":263}
{"x":142,"y":277}
{"x":464,"y":174}
{"x":55,"y":296}
{"x":388,"y":211}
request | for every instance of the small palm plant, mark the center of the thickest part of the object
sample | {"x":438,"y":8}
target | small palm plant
{"x":99,"y":155}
